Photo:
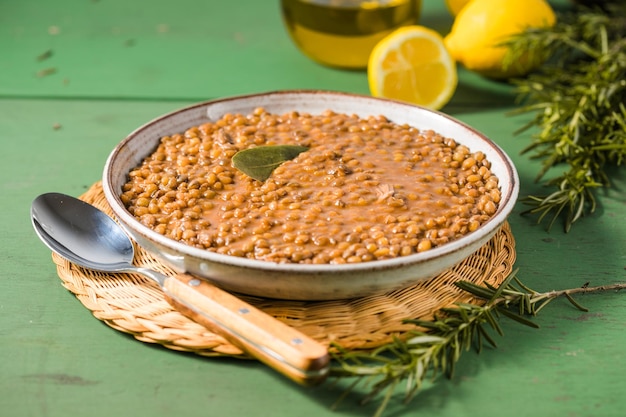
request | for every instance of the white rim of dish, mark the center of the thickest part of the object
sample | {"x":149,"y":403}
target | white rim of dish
{"x":485,"y":229}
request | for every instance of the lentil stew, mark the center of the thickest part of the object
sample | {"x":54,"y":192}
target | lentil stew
{"x":366,"y":189}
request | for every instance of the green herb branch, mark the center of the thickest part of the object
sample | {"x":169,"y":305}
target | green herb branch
{"x":435,"y":347}
{"x":577,"y":97}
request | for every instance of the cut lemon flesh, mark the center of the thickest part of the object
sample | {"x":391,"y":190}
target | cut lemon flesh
{"x":412,"y":64}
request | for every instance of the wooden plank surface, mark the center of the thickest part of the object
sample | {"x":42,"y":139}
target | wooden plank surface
{"x":122,"y":69}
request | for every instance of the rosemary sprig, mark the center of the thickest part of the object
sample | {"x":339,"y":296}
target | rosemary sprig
{"x":434,"y":347}
{"x":578,"y":98}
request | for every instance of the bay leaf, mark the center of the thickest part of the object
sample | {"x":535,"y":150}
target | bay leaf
{"x":259,"y":162}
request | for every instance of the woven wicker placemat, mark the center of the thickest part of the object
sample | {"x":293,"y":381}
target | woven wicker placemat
{"x":134,"y":304}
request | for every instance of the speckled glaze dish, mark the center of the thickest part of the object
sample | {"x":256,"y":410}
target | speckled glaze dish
{"x":305,"y":281}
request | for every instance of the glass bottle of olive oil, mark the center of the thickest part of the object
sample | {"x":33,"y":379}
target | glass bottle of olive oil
{"x":342,"y":33}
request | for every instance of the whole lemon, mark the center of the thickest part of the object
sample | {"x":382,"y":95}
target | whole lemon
{"x":455,"y":6}
{"x":483,"y":24}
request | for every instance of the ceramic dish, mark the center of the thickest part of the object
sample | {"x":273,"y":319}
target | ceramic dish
{"x":305,"y":281}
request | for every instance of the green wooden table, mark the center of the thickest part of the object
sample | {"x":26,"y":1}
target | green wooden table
{"x":112,"y":65}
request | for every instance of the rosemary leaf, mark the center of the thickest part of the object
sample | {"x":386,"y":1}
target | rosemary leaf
{"x":517,"y":317}
{"x":575,"y":303}
{"x":424,"y":339}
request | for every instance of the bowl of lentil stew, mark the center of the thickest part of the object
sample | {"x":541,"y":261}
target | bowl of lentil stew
{"x":385,"y":194}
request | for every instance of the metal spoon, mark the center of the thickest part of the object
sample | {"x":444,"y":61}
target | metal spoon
{"x":88,"y":237}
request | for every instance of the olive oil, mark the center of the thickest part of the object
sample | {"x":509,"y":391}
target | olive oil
{"x":342,"y":33}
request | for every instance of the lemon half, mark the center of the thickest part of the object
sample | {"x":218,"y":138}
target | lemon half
{"x":412,"y":64}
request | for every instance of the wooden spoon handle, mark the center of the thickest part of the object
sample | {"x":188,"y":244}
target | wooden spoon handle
{"x":262,"y":336}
